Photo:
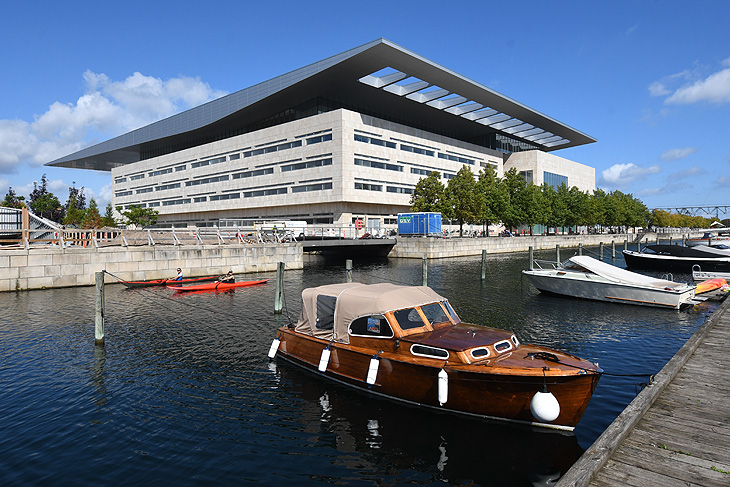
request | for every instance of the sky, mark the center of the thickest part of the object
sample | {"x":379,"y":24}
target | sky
{"x":649,"y":79}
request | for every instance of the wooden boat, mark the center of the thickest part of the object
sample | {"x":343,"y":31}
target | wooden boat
{"x":677,"y":258}
{"x":164,"y":282}
{"x":216,"y":286}
{"x":582,"y":276}
{"x":407,"y":343}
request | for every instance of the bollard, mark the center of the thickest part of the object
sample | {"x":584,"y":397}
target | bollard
{"x":670,"y":240}
{"x":424,"y":267}
{"x":600,"y":251}
{"x":580,"y":248}
{"x":348,"y":270}
{"x":557,"y":253}
{"x":530,"y":257}
{"x":613,"y":249}
{"x":279,"y":297}
{"x":484,"y":264}
{"x":99,"y":318}
{"x":626,"y":244}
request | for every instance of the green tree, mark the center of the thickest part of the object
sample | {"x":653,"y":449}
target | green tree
{"x":430,"y":195}
{"x":45,"y":204}
{"x":74,"y":215}
{"x":533,"y":202}
{"x":92,"y":218}
{"x":514,"y":215}
{"x":108,"y":219}
{"x":463,"y":197}
{"x":492,"y":198}
{"x":12,"y":200}
{"x":136,"y":215}
{"x":76,"y":198}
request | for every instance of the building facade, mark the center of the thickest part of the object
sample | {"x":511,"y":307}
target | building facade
{"x":344,"y":139}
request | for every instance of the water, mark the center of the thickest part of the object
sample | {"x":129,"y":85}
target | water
{"x":183,"y":394}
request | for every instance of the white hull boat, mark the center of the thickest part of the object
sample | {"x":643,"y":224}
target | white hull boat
{"x":585,"y":277}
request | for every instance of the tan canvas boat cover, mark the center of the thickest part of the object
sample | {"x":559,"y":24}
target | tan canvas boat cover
{"x":327,"y":311}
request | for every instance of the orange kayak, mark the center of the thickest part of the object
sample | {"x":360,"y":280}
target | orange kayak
{"x":216,"y":286}
{"x":710,"y":285}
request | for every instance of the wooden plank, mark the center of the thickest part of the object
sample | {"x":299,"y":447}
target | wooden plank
{"x":631,"y":446}
{"x":622,"y":474}
{"x":679,"y":441}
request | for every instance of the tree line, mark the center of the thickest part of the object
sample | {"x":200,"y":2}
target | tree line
{"x":75,"y":212}
{"x":511,"y":201}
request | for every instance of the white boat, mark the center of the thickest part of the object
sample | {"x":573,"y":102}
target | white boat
{"x":699,"y":275}
{"x":585,"y":277}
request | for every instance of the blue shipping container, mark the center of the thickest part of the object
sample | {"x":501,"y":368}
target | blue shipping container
{"x":424,"y":223}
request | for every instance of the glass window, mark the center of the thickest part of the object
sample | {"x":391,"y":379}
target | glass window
{"x":480,"y":352}
{"x":451,"y":311}
{"x":371,"y":326}
{"x":434,"y":313}
{"x":503,"y":346}
{"x":408,"y":318}
{"x":431,"y":352}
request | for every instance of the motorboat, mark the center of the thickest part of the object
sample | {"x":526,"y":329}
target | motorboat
{"x":407,"y":343}
{"x":699,"y":274}
{"x":582,"y":276}
{"x":216,"y":286}
{"x":721,"y":236}
{"x":678,"y":258}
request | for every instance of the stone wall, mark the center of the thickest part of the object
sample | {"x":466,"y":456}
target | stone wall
{"x":39,"y":268}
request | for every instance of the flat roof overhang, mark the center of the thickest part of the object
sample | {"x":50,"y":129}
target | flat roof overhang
{"x":380,"y":79}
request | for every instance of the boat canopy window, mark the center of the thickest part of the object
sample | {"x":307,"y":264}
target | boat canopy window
{"x":371,"y":326}
{"x":435,"y":313}
{"x":573,"y":266}
{"x":451,"y":311}
{"x":326,"y":312}
{"x":408,"y":318}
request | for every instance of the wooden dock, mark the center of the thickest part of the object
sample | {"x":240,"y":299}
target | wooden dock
{"x":676,"y":431}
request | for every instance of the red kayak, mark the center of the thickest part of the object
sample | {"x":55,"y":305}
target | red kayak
{"x":164,"y":282}
{"x":216,"y":286}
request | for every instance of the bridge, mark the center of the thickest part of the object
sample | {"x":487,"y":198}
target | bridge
{"x":698,"y":210}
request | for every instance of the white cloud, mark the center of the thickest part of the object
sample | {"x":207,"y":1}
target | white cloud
{"x":722,"y":182}
{"x":657,"y":88}
{"x":108,"y":108}
{"x":676,"y":154}
{"x":625,"y":174}
{"x":714,"y":89}
{"x":686,"y":173}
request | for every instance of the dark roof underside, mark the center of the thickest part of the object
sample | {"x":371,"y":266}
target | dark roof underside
{"x":379,"y":79}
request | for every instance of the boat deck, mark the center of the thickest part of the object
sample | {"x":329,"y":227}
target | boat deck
{"x":674,"y":432}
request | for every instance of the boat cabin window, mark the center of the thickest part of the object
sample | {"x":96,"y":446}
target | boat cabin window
{"x":430,"y":352}
{"x":326,"y":312}
{"x":451,"y":311}
{"x":479,"y":353}
{"x":435,"y":313}
{"x":371,"y":326}
{"x":503,"y":346}
{"x":408,"y":318}
{"x":515,"y":341}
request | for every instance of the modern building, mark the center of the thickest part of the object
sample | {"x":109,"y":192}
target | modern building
{"x":343,"y":139}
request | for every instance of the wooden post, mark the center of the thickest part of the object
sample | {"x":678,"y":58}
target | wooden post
{"x":424,"y":270}
{"x":25,"y":223}
{"x":99,"y":318}
{"x":348,"y":270}
{"x":626,"y":244}
{"x":600,"y":251}
{"x":613,"y":249}
{"x":580,"y":248}
{"x":670,"y":240}
{"x":530,"y":257}
{"x":557,"y":253}
{"x":484,"y":264}
{"x":279,"y":297}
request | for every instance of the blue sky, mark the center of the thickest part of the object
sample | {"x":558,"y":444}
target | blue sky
{"x":649,"y":79}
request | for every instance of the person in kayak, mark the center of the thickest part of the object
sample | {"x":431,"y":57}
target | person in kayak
{"x":228,"y":278}
{"x":179,"y":275}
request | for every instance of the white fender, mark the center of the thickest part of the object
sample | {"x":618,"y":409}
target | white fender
{"x":443,"y":387}
{"x":324,"y":359}
{"x":274,"y":347}
{"x":545,"y":407}
{"x":373,"y":370}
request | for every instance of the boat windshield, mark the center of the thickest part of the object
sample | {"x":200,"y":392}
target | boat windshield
{"x":408,"y":318}
{"x":451,"y":311}
{"x":434,"y":313}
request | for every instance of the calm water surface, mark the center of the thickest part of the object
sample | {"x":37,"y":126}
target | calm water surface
{"x":183,"y":393}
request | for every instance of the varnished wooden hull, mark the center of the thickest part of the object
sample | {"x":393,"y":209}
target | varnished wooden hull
{"x":472,"y":390}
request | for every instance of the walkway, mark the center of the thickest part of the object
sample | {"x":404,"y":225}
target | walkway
{"x":676,"y":431}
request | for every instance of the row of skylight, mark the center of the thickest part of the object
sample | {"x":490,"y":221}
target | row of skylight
{"x":420,"y":91}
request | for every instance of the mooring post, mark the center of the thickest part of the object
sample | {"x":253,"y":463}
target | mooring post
{"x":670,"y":240}
{"x":99,"y":318}
{"x":626,"y":244}
{"x":613,"y":249}
{"x":279,"y":298}
{"x":530,"y":257}
{"x":600,"y":251}
{"x":424,"y":267}
{"x":484,"y":264}
{"x":348,"y":270}
{"x":580,"y":248}
{"x":557,"y":253}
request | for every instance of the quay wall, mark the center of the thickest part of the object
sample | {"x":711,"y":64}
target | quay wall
{"x":51,"y":267}
{"x":438,"y":248}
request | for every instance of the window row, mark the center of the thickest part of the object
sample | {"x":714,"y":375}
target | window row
{"x":378,"y":165}
{"x":306,"y":165}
